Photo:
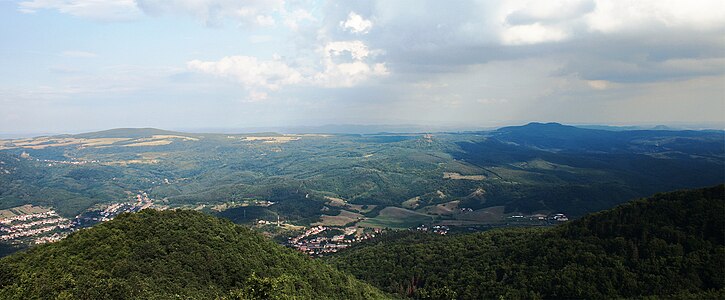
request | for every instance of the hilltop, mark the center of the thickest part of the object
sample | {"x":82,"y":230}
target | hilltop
{"x":668,"y":245}
{"x":172,"y":254}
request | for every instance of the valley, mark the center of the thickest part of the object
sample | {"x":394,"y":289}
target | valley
{"x":513,"y":176}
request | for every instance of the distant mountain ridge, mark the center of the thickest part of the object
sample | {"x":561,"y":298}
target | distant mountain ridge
{"x":550,"y":128}
{"x":128,"y":133}
{"x":556,"y":136}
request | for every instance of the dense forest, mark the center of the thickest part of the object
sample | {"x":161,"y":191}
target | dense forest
{"x":669,"y":245}
{"x":172,"y":255}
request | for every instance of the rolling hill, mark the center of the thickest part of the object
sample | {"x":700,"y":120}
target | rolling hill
{"x":529,"y":169}
{"x":172,"y":255}
{"x":668,"y":245}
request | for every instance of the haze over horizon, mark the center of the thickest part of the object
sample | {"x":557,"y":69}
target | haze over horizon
{"x":71,"y":66}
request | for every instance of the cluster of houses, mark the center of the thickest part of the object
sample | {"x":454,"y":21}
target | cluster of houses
{"x":50,"y":238}
{"x":31,"y":225}
{"x":109,"y":213}
{"x":437,"y":229}
{"x":314,"y":243}
{"x":541,"y":217}
{"x":559,"y":218}
{"x":46,"y":227}
{"x":2,"y":169}
{"x":51,"y":162}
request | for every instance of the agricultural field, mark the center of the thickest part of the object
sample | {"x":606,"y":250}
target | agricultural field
{"x":343,"y":218}
{"x":397,"y":218}
{"x":372,"y":180}
{"x":22,"y":210}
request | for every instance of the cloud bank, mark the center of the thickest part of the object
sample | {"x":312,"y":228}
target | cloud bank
{"x":468,"y":61}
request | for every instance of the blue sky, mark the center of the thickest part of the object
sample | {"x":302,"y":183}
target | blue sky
{"x":77,"y":65}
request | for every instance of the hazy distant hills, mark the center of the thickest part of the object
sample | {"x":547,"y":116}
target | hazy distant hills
{"x":456,"y":178}
{"x":127,"y":133}
{"x":558,"y":137}
{"x":172,"y":255}
{"x":667,"y":246}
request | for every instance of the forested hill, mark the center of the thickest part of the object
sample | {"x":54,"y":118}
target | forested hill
{"x":172,"y":254}
{"x":669,"y":245}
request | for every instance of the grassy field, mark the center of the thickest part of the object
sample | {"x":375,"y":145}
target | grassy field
{"x":22,"y":210}
{"x":411,"y":203}
{"x":493,"y":214}
{"x":396,"y":217}
{"x":447,"y":208}
{"x":458,"y":176}
{"x":345,"y":217}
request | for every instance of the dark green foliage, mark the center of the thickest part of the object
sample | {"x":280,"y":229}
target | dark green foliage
{"x":589,"y":170}
{"x":7,"y":249}
{"x":247,"y":214}
{"x":670,"y":245}
{"x":171,"y":254}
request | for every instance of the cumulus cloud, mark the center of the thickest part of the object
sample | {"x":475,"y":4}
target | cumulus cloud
{"x":356,"y":24}
{"x":549,"y":12}
{"x":341,"y":71}
{"x":618,"y":41}
{"x":532,"y":34}
{"x":253,"y":74}
{"x":516,"y":54}
{"x":356,"y":49}
{"x":341,"y":64}
{"x":602,"y":43}
{"x":619,"y":16}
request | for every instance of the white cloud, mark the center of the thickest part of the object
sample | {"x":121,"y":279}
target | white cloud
{"x":356,"y":24}
{"x":618,"y":16}
{"x":253,"y":74}
{"x":592,"y":51}
{"x":343,"y":71}
{"x":357,"y":49}
{"x":341,"y":64}
{"x":548,"y":12}
{"x":532,"y":34}
{"x":293,"y":19}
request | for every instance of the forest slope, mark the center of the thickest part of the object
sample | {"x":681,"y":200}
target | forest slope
{"x":668,"y":245}
{"x":172,"y":254}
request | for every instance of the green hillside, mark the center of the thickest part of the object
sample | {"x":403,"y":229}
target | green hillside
{"x":536,"y":168}
{"x":172,"y":254}
{"x":669,"y":245}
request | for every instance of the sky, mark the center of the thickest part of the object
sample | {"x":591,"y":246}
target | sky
{"x":82,"y":65}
